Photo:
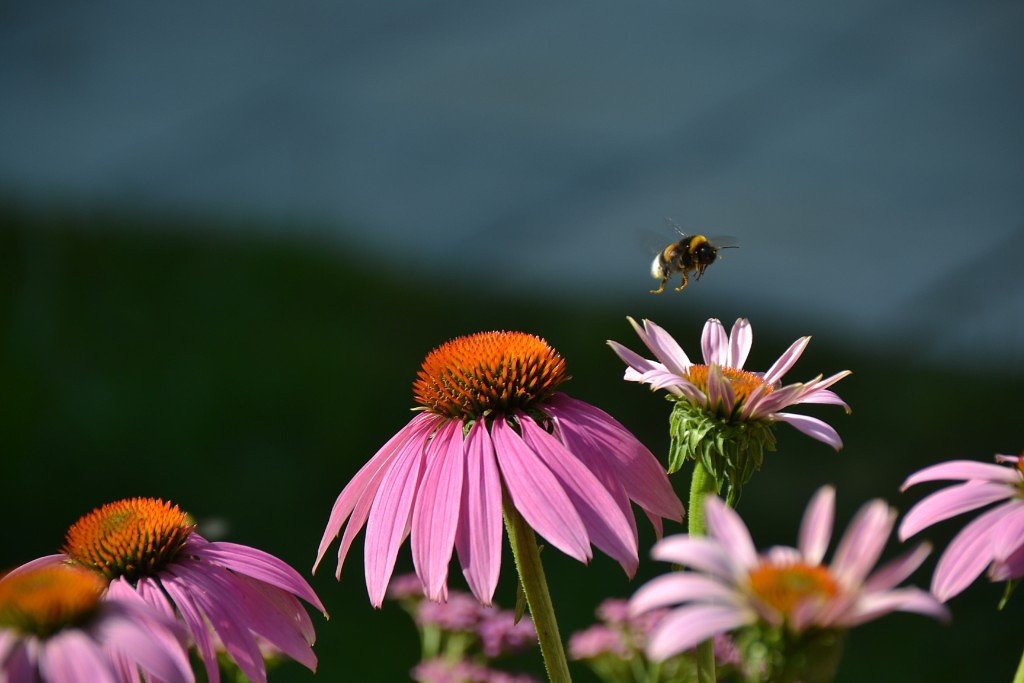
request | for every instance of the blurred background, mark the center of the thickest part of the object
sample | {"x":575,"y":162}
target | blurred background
{"x":230,"y":232}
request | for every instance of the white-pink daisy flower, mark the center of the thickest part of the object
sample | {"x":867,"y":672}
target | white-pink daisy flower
{"x":722,"y":386}
{"x":731,"y":585}
{"x":491,"y":427}
{"x":993,"y":540}
{"x":56,"y":628}
{"x":226,"y":596}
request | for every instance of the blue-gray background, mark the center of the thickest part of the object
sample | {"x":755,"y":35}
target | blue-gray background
{"x":230,"y":232}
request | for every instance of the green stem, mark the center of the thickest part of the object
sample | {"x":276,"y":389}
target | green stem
{"x":531,"y":576}
{"x":701,"y":485}
{"x":1019,"y":676}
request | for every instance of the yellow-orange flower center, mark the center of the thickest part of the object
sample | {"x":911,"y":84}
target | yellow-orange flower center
{"x":783,"y":587}
{"x":743,"y":383}
{"x":42,"y":601}
{"x":133,"y":537}
{"x":498,"y":371}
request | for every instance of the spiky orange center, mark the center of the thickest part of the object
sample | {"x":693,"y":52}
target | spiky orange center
{"x":498,"y":371}
{"x":783,"y":587}
{"x":133,"y":537}
{"x":42,"y":601}
{"x":743,"y":383}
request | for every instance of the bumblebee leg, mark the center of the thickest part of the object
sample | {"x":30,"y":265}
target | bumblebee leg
{"x":686,"y":281}
{"x":661,"y":287}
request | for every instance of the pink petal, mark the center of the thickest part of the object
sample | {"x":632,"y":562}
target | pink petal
{"x":1011,"y":567}
{"x":597,"y":435}
{"x":159,"y":656}
{"x":823,"y":397}
{"x":365,"y":483}
{"x":863,"y":542}
{"x":20,"y":663}
{"x":949,"y":502}
{"x":257,"y":564}
{"x":677,"y":587}
{"x":903,"y":600}
{"x":698,"y":552}
{"x":537,"y":494}
{"x":714,"y":342}
{"x":720,"y":393}
{"x":686,"y":627}
{"x":892,"y":573}
{"x":605,"y":522}
{"x":740,"y":340}
{"x":1010,"y":536}
{"x":725,"y":526}
{"x":786,"y":360}
{"x":478,"y":538}
{"x":194,"y":620}
{"x":663,"y":346}
{"x":634,"y":360}
{"x":816,"y":528}
{"x":436,"y":515}
{"x":72,"y":657}
{"x":964,"y":469}
{"x":812,"y":427}
{"x":967,"y":554}
{"x":389,"y":519}
{"x":275,"y":620}
{"x":44,"y":561}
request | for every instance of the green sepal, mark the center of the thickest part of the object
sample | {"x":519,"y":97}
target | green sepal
{"x":1007,"y":593}
{"x":774,"y":654}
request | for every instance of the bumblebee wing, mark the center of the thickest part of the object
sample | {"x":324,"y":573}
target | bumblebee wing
{"x":723,"y":241}
{"x":675,"y":226}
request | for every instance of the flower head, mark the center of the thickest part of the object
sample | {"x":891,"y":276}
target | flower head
{"x":995,"y":539}
{"x":55,"y":627}
{"x":731,"y":585}
{"x":225,"y":594}
{"x":492,"y":426}
{"x":724,"y":414}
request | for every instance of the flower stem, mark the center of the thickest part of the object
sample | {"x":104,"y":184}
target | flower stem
{"x":1019,"y":676}
{"x":531,"y":576}
{"x":701,"y":485}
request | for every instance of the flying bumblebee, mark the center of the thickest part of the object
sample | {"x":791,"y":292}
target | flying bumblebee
{"x":691,"y":254}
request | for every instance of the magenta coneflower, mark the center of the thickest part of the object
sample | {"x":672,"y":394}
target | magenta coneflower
{"x":56,"y":628}
{"x":491,"y":426}
{"x":733,"y":586}
{"x":995,"y":539}
{"x":225,"y":594}
{"x":721,"y":385}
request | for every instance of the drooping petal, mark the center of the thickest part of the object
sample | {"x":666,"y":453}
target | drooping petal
{"x":812,"y":427}
{"x":72,"y":657}
{"x":863,"y":541}
{"x":698,"y":552}
{"x":678,"y":587}
{"x":786,"y":360}
{"x":128,"y":633}
{"x":275,"y":620}
{"x":389,"y":519}
{"x":537,"y":494}
{"x":685,"y":627}
{"x":902,"y":600}
{"x":478,"y":538}
{"x":605,"y":522}
{"x":634,"y":360}
{"x":364,"y":485}
{"x":949,"y":502}
{"x":195,"y":621}
{"x":967,"y":554}
{"x":714,"y":343}
{"x":1011,"y":567}
{"x":816,"y":527}
{"x":663,"y":346}
{"x":1010,"y":536}
{"x":435,"y":517}
{"x":892,"y":573}
{"x":725,"y":526}
{"x":720,"y":393}
{"x":257,"y":564}
{"x":963,"y":469}
{"x":601,"y":436}
{"x":740,"y":340}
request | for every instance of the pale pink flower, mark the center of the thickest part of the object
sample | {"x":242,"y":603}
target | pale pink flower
{"x":225,"y":594}
{"x":459,"y":613}
{"x":731,"y":585}
{"x":500,"y":634}
{"x":722,"y":386}
{"x":597,"y":641}
{"x":995,"y":539}
{"x":491,"y":426}
{"x":56,"y":628}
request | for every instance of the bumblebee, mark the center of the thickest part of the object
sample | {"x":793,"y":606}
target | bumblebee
{"x":691,"y":254}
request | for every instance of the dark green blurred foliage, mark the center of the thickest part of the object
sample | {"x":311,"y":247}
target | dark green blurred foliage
{"x":248,"y":379}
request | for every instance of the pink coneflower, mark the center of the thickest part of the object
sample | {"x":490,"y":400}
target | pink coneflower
{"x":732,"y":586}
{"x":56,"y":628}
{"x":491,"y":426}
{"x":225,"y":594}
{"x":721,"y":386}
{"x":995,"y":539}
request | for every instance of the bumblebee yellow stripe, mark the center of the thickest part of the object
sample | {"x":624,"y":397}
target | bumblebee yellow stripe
{"x":696,"y":241}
